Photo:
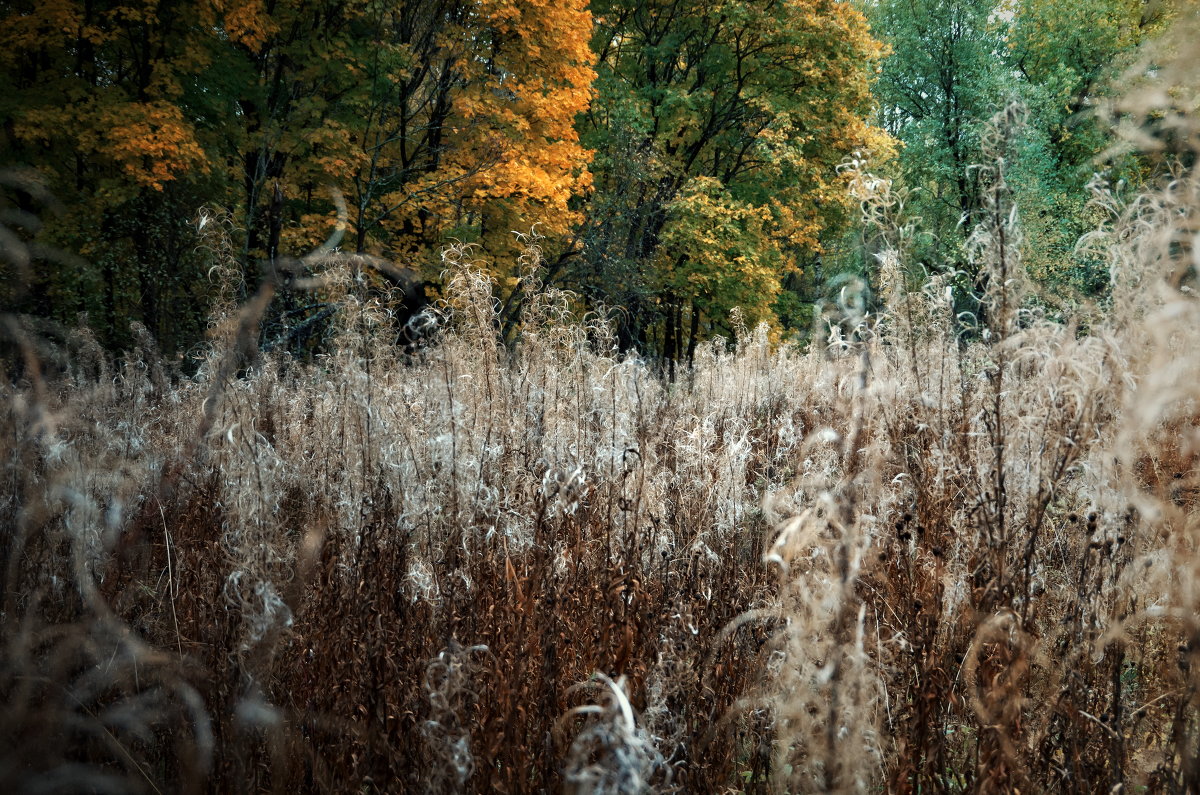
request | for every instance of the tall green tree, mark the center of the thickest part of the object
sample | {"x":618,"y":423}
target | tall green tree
{"x":718,"y":127}
{"x":945,"y":75}
{"x":1066,"y":57}
{"x":953,"y":63}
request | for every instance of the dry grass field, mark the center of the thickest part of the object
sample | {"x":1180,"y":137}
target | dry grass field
{"x":928,"y":552}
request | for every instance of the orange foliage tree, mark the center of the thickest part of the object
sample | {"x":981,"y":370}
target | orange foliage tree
{"x":433,"y":117}
{"x":470,"y":123}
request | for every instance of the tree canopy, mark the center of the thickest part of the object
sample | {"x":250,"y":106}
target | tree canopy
{"x":435,"y":118}
{"x":718,"y":128}
{"x":678,"y":158}
{"x":954,"y":63}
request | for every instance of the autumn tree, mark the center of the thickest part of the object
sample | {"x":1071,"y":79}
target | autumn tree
{"x":101,"y":100}
{"x":469,"y":127}
{"x":717,"y":130}
{"x":434,"y":117}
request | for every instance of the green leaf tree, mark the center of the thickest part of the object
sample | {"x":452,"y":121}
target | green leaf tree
{"x":1066,"y":56}
{"x":953,"y":63}
{"x":945,"y":75}
{"x":718,"y":128}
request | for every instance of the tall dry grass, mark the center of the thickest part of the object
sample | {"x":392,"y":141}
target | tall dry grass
{"x":934,"y":552}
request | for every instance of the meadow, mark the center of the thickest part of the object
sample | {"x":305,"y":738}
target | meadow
{"x":928,"y":551}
